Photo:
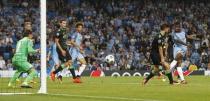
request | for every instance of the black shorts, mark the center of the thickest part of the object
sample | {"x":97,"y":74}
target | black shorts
{"x":64,"y":58}
{"x":170,"y":53}
{"x":155,"y":58}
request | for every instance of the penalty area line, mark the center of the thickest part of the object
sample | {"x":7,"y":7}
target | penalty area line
{"x":103,"y":97}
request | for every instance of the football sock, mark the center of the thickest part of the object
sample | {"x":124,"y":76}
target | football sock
{"x":170,"y":77}
{"x":76,"y":72}
{"x":180,"y":72}
{"x":81,"y":69}
{"x":150,"y":76}
{"x":31,"y":75}
{"x":15,"y":76}
{"x":57,"y":70}
{"x":172,"y":65}
{"x":72,"y":72}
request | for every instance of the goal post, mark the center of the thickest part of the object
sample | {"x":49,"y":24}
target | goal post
{"x":43,"y":78}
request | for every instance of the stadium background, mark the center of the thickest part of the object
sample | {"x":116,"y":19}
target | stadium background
{"x":107,"y":26}
{"x":124,"y":28}
{"x":12,"y":15}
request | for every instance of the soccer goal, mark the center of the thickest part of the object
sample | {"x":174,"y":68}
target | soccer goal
{"x":39,"y":83}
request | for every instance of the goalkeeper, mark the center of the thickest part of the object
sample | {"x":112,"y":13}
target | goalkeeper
{"x":20,"y":61}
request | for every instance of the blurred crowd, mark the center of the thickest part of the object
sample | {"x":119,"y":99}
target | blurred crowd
{"x":126,"y":28}
{"x":12,"y":15}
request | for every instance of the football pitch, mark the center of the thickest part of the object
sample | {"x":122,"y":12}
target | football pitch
{"x":116,"y":89}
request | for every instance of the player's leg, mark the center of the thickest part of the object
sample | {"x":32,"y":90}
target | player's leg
{"x":179,"y":52}
{"x":59,"y":60}
{"x":69,"y":63}
{"x":56,"y":65}
{"x":168,"y":72}
{"x":58,"y":68}
{"x":26,"y":67}
{"x":60,"y":76}
{"x":14,"y":78}
{"x":31,"y":74}
{"x":179,"y":58}
{"x":18,"y":79}
{"x":161,"y":74}
{"x":71,"y":69}
{"x":80,"y":70}
{"x":156,"y":61}
{"x":154,"y":71}
{"x":76,"y":67}
{"x":58,"y":71}
{"x":74,"y":56}
{"x":174,"y":62}
{"x":83,"y":64}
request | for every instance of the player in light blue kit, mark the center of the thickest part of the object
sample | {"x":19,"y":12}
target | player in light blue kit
{"x":179,"y":49}
{"x":77,"y":50}
{"x":55,"y":55}
{"x":56,"y":62}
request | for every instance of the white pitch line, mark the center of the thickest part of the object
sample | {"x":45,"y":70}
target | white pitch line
{"x":85,"y":96}
{"x":104,"y":97}
{"x":15,"y":93}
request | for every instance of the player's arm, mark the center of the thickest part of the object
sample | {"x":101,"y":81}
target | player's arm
{"x":48,"y":55}
{"x":177,"y":40}
{"x":161,"y":54}
{"x":180,"y":42}
{"x":31,"y":49}
{"x":73,"y":43}
{"x":166,"y":50}
{"x":76,"y":46}
{"x":164,"y":64}
{"x":192,"y":37}
{"x":58,"y":44}
{"x":160,"y":48}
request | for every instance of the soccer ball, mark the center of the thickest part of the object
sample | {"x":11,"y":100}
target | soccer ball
{"x":110,"y":59}
{"x":164,"y":80}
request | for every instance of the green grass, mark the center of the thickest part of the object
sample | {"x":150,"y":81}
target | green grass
{"x":115,"y":89}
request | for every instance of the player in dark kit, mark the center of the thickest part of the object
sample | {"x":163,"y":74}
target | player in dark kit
{"x":159,"y":54}
{"x":61,"y":38}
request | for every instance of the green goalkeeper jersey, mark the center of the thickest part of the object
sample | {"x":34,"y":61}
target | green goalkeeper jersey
{"x":23,"y":48}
